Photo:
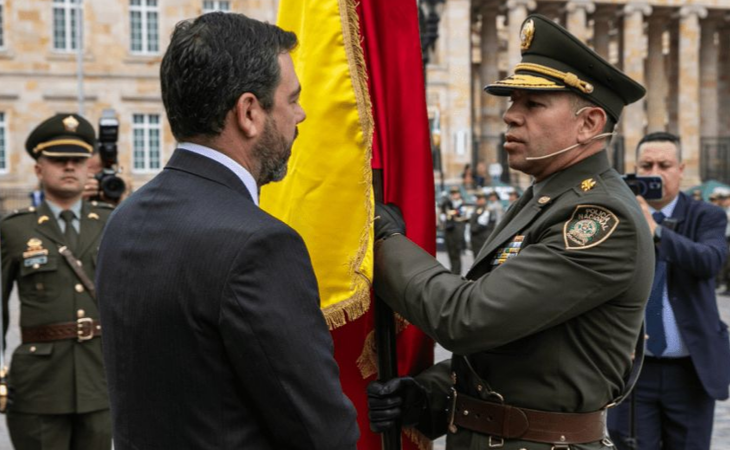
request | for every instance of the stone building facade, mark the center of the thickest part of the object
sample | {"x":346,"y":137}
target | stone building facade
{"x":123,"y":44}
{"x":680,"y":50}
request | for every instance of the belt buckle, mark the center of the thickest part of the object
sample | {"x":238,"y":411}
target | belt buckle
{"x":85,"y":328}
{"x":452,"y":415}
{"x":498,"y":442}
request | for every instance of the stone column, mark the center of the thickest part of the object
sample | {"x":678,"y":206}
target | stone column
{"x":632,"y":122}
{"x":517,"y":12}
{"x":656,"y":77}
{"x":491,"y":124}
{"x":708,"y":80}
{"x":577,"y":19}
{"x":688,"y":114}
{"x":673,"y":77}
{"x":601,"y":28}
{"x":724,"y":78}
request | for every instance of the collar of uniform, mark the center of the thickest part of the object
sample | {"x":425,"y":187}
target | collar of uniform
{"x":570,"y":177}
{"x":56,"y":210}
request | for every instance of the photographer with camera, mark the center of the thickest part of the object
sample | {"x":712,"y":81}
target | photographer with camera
{"x":687,"y":364}
{"x":57,"y":383}
{"x":104,"y":183}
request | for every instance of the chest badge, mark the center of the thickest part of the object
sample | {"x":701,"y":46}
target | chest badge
{"x":510,"y":250}
{"x":35,"y":255}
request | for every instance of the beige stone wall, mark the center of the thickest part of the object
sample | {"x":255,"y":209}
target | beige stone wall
{"x":37,"y":82}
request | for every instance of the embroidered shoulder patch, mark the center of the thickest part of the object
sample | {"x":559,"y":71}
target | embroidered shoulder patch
{"x":588,"y":226}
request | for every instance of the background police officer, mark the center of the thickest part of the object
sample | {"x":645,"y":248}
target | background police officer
{"x":59,"y":398}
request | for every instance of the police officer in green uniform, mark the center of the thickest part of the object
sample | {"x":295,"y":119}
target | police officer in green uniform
{"x":544,"y":326}
{"x":56,"y":379}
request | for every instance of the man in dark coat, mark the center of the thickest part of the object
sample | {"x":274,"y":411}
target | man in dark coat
{"x":213,"y":334}
{"x":454,"y":217}
{"x":544,"y":325}
{"x":59,"y":396}
{"x":687,"y":367}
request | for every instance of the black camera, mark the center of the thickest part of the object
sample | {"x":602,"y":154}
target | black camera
{"x":648,"y":187}
{"x":111,"y":186}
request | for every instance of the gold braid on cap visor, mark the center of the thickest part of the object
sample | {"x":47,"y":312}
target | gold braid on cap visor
{"x":568,"y":78}
{"x":40,"y":147}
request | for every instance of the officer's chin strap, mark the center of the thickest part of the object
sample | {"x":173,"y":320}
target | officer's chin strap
{"x":3,"y":367}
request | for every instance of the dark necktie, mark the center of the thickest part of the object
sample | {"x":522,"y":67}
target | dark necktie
{"x":657,"y":342}
{"x":71,"y":236}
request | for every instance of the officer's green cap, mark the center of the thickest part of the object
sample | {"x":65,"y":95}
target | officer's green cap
{"x":63,"y":135}
{"x":555,"y":60}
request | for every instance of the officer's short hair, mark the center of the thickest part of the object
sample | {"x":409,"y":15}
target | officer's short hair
{"x":661,"y":136}
{"x":213,"y":60}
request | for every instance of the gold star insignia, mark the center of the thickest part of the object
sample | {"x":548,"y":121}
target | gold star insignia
{"x":587,"y":185}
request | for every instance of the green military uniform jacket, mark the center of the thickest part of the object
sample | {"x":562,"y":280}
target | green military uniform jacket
{"x":63,"y":376}
{"x":550,"y":312}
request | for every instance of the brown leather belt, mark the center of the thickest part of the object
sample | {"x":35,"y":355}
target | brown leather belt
{"x":82,"y":329}
{"x":510,"y":422}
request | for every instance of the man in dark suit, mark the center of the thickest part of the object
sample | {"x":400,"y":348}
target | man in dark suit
{"x":60,"y":397}
{"x":543,"y":326}
{"x":213,"y":334}
{"x":687,"y":366}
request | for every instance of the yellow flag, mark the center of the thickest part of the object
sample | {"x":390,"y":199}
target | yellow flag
{"x":327,"y":195}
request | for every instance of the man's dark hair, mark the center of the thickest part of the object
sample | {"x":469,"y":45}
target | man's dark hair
{"x":661,"y":136}
{"x":211,"y":62}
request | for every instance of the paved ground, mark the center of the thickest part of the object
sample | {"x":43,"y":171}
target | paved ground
{"x":721,"y":433}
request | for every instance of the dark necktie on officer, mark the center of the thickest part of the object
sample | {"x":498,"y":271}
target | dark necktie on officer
{"x":657,"y":342}
{"x":71,"y":236}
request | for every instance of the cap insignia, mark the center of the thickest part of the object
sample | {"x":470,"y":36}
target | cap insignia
{"x":70,"y":124}
{"x":527,"y":34}
{"x":588,"y":227}
{"x":587,"y":185}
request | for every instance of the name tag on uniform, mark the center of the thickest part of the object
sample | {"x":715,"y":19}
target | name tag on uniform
{"x":37,"y":260}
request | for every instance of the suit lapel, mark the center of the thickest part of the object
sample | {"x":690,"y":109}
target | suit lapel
{"x":90,"y":229}
{"x":48,"y":226}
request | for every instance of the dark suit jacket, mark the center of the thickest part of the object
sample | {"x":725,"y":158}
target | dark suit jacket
{"x":213,"y":336}
{"x":696,"y":252}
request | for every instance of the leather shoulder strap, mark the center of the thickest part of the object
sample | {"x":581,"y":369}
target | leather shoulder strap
{"x":75,"y":266}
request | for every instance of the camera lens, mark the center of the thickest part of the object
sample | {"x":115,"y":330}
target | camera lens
{"x":112,"y":186}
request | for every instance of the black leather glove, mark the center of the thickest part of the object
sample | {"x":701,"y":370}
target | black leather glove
{"x":388,"y":221}
{"x":400,"y":400}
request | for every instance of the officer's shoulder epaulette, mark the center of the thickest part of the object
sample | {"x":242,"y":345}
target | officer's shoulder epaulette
{"x":18,"y":213}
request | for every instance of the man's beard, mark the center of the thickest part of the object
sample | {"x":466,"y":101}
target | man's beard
{"x":272,"y":153}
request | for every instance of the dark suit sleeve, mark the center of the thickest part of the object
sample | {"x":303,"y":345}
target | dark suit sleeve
{"x":702,"y":256}
{"x":278,"y":341}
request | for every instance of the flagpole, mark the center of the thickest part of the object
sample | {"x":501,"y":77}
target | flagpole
{"x":385,"y":337}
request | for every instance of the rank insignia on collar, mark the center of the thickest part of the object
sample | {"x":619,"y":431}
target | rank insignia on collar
{"x":42,"y":219}
{"x":587,"y":185}
{"x":35,"y":248}
{"x":589,"y":226}
{"x":93,"y":216}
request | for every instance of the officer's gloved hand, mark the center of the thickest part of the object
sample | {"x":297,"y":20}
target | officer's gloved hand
{"x":388,"y":221}
{"x":400,"y":400}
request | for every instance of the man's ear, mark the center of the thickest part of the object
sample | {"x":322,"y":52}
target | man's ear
{"x":37,"y":169}
{"x":250,"y":116}
{"x":594,"y":121}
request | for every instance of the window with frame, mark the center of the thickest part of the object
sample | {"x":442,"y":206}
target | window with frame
{"x":146,"y":132}
{"x":2,"y":18}
{"x":144,"y":26}
{"x":216,"y":5}
{"x":3,"y":144}
{"x":65,"y":36}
